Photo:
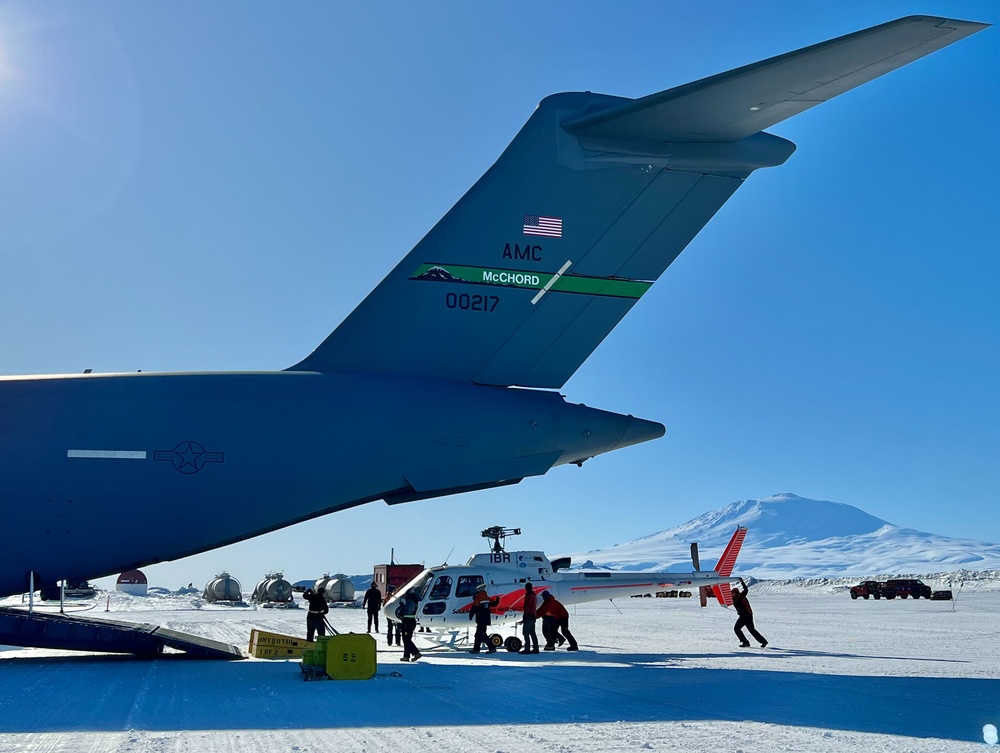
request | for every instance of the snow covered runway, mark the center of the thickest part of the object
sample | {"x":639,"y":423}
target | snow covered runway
{"x":661,"y":674}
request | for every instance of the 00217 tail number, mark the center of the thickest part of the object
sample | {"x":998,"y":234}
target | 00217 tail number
{"x":476,"y":302}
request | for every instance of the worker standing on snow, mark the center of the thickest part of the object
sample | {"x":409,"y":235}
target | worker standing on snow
{"x":742,"y":604}
{"x":480,"y":612}
{"x":528,"y":628}
{"x":391,"y":625}
{"x":406,"y":611}
{"x":373,"y":603}
{"x":316,"y":619}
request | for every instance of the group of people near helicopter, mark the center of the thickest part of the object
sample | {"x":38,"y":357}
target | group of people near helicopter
{"x":554,"y":617}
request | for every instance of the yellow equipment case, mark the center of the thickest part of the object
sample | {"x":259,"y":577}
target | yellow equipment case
{"x":265,"y":645}
{"x":351,"y":656}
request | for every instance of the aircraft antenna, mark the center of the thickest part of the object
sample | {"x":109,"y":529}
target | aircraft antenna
{"x":498,"y":534}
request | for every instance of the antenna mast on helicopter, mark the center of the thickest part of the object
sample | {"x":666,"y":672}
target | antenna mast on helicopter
{"x":498,"y":534}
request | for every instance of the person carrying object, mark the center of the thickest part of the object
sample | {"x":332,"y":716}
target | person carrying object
{"x":745,"y":620}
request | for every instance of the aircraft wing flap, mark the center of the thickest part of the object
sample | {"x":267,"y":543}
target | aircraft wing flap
{"x":734,"y":105}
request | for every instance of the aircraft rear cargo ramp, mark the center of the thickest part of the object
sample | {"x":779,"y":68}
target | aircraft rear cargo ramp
{"x":57,"y":631}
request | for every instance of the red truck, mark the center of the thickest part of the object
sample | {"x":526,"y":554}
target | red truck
{"x":872,"y":588}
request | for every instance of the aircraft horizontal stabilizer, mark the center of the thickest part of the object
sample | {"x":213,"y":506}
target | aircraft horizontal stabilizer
{"x":734,"y":105}
{"x":724,"y":594}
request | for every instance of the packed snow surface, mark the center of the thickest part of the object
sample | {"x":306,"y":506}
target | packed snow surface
{"x":652,"y":674}
{"x":793,"y":537}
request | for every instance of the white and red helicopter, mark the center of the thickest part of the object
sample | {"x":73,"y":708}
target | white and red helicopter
{"x":444,"y":593}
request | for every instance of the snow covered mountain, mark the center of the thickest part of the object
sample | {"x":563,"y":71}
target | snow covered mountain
{"x":793,"y":537}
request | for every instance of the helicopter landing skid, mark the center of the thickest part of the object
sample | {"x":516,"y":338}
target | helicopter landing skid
{"x":460,"y":640}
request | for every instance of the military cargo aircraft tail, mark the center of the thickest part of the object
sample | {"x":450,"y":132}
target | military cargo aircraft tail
{"x":586,"y":208}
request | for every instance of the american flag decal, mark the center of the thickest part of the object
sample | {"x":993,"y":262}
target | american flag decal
{"x":550,"y":227}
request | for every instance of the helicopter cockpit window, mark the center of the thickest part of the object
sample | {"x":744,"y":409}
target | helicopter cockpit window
{"x":467,"y":585}
{"x":442,"y":588}
{"x":434,"y":607}
{"x":419,"y":585}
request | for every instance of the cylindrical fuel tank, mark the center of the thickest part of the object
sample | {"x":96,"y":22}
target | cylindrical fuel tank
{"x":223,"y":587}
{"x":274,"y":588}
{"x":337,"y":588}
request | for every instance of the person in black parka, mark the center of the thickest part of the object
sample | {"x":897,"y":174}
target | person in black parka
{"x":742,"y":604}
{"x":373,"y":603}
{"x":318,"y":608}
{"x":406,"y":611}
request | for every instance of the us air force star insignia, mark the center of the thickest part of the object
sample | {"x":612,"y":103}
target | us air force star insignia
{"x":189,"y":457}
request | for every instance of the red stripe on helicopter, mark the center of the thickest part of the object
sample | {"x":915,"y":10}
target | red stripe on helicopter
{"x":509,"y":602}
{"x":621,"y":585}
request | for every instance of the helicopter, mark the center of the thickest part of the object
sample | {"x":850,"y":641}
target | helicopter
{"x":444,"y":593}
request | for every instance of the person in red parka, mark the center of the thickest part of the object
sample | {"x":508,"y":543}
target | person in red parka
{"x":555,"y":618}
{"x":528,"y":623}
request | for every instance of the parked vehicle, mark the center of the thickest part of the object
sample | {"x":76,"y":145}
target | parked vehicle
{"x":942,"y":596}
{"x":871,"y":588}
{"x":904,"y":587}
{"x":74,"y":589}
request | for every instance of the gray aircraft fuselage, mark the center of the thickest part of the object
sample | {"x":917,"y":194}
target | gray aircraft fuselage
{"x":132,"y":469}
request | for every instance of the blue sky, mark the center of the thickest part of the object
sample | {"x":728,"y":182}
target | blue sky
{"x":214,"y":186}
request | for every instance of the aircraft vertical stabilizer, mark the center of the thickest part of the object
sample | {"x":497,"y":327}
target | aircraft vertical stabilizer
{"x":732,"y":551}
{"x":591,"y":202}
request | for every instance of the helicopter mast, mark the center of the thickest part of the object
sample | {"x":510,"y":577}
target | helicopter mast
{"x":498,"y":534}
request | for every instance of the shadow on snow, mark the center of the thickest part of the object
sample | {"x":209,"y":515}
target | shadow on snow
{"x":119,"y":693}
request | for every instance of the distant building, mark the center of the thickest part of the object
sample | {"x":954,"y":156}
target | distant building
{"x":132,"y":582}
{"x":394,"y":575}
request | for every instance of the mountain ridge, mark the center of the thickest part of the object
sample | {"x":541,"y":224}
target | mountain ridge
{"x":795,"y":537}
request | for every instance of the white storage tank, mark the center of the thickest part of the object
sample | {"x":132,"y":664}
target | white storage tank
{"x":338,"y":587}
{"x":132,"y":582}
{"x":223,"y":587}
{"x":273,"y":590}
